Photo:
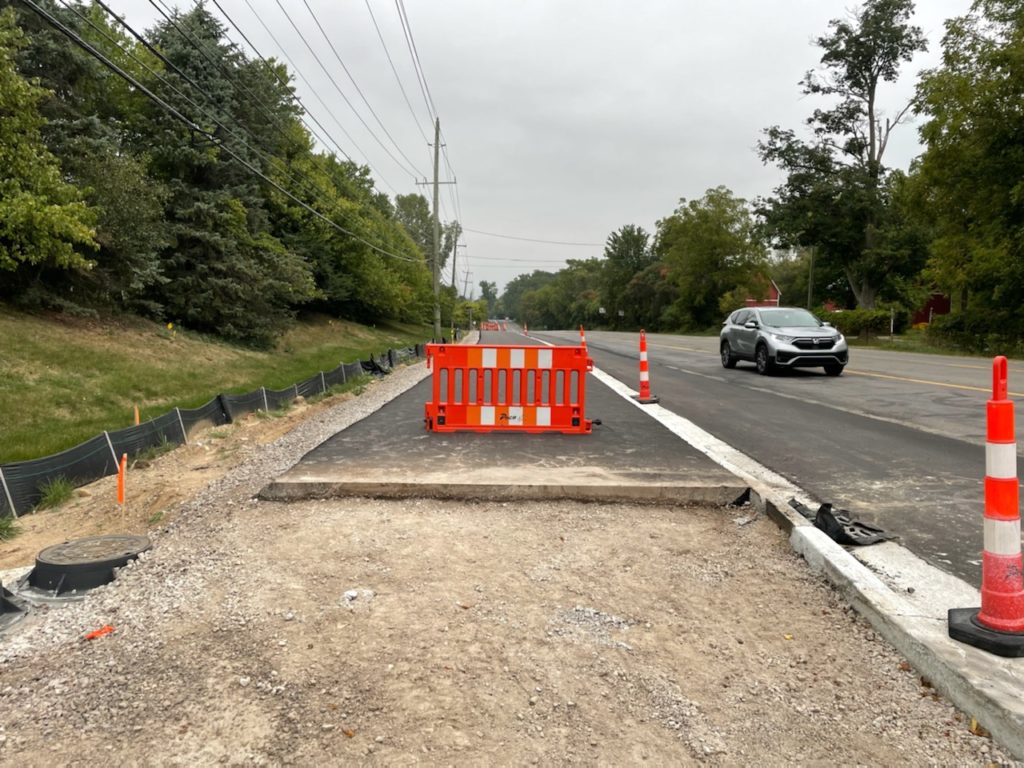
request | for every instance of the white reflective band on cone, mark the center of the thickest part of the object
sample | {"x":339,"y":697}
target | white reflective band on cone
{"x":644,"y":376}
{"x":643,"y":356}
{"x":1001,"y":460}
{"x":1002,"y":537}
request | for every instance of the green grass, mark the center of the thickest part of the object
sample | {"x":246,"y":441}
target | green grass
{"x":55,"y":492}
{"x":154,"y":451}
{"x":64,"y":380}
{"x":8,"y":528}
{"x":910,"y":341}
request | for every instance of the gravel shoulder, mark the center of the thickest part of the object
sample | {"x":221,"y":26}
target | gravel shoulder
{"x":453,"y":632}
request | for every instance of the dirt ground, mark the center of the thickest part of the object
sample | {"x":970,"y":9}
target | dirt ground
{"x":407,"y":632}
{"x":153,"y":488}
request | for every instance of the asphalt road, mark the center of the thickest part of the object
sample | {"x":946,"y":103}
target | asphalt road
{"x":898,"y":439}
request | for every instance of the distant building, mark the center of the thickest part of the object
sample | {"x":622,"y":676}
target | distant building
{"x":771,"y":297}
{"x":937,"y":304}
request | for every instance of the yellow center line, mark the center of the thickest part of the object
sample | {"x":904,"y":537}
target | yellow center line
{"x":684,"y":349}
{"x":987,"y":390}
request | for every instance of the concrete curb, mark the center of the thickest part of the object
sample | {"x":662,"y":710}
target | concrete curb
{"x":292,"y":490}
{"x":904,"y":598}
{"x":984,"y":686}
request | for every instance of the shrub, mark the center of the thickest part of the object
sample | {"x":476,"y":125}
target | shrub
{"x":861,"y":322}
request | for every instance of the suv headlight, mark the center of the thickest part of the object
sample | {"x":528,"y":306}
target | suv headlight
{"x":783,"y":338}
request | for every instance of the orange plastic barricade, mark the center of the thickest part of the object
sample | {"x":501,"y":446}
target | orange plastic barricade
{"x":508,"y":388}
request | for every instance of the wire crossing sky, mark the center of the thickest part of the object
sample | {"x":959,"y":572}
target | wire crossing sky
{"x":562,"y":121}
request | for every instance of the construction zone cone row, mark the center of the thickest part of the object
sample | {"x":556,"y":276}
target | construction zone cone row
{"x":998,"y":626}
{"x":645,"y":395}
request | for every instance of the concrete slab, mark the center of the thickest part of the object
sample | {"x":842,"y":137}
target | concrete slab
{"x":628,"y":457}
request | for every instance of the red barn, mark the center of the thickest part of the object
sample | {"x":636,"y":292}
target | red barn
{"x":770,"y":298}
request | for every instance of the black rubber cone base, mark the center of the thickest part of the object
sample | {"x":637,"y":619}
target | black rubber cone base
{"x":964,"y":626}
{"x":647,"y":400}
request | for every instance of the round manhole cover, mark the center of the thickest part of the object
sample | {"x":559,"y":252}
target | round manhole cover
{"x":85,"y":563}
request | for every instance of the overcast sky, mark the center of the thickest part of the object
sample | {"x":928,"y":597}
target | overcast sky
{"x":565,"y":120}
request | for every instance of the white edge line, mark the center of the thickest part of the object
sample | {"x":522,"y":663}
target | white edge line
{"x":721,"y":453}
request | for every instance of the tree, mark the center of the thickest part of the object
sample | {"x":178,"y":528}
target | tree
{"x":510,"y":303}
{"x":649,"y":296}
{"x":834,"y":196}
{"x":970,"y":174}
{"x":711,"y":246}
{"x":413,"y":213}
{"x":627,"y":252}
{"x":489,"y":294}
{"x":43,"y":220}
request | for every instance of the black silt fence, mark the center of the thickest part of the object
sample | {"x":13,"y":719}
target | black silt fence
{"x":21,"y":482}
{"x":314,"y":385}
{"x":238,"y":405}
{"x":278,"y":398}
{"x":335,"y":377}
{"x":134,"y":440}
{"x":210,"y":414}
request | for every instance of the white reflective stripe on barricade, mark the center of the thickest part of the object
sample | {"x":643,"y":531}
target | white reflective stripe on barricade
{"x":487,"y":415}
{"x":517,"y":358}
{"x":543,"y":416}
{"x":490,"y":358}
{"x":544,"y":358}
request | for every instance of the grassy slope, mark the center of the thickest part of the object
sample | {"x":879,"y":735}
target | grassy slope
{"x":64,"y":380}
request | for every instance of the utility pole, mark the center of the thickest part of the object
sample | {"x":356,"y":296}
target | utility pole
{"x":455,"y":252}
{"x":810,"y":279}
{"x":465,"y":286}
{"x":437,"y":228}
{"x":437,"y":235}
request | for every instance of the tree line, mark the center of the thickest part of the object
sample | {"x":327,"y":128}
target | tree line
{"x":191,"y":191}
{"x":844,"y":228}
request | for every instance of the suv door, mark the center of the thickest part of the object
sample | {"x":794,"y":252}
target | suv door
{"x":744,"y":337}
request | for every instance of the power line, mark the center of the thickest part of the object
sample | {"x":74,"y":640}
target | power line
{"x":341,"y":92}
{"x":287,"y":85}
{"x":270,"y":159}
{"x":316,"y":93}
{"x":411,"y":45}
{"x":533,"y":239}
{"x":80,"y":42}
{"x":395,"y":72}
{"x":358,"y":89}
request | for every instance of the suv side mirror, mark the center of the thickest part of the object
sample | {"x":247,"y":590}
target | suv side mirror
{"x":750,"y":324}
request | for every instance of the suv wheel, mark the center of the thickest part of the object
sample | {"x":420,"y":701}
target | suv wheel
{"x":835,"y":369}
{"x":763,"y":362}
{"x":728,"y":361}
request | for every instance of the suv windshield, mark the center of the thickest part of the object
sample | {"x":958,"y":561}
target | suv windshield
{"x":789,"y":318}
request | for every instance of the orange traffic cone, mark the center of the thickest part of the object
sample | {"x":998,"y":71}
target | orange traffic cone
{"x":645,"y":395}
{"x":583,"y":338}
{"x":998,"y":626}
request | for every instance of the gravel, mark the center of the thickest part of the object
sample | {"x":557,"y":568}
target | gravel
{"x":581,"y":666}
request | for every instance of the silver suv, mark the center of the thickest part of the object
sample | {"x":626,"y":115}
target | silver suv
{"x":787,"y":337}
